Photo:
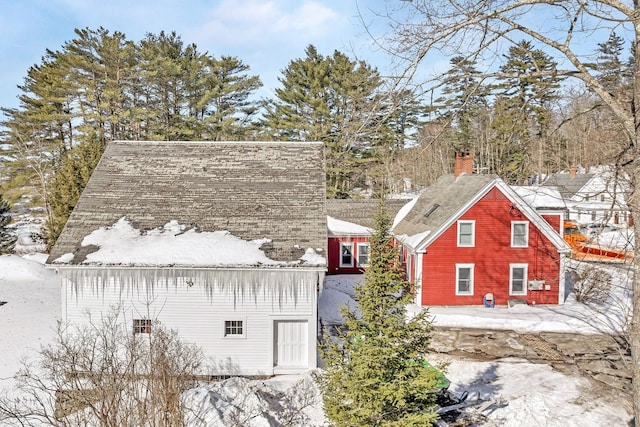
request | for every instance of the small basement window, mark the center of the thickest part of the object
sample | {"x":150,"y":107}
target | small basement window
{"x":141,"y":326}
{"x":234,"y":328}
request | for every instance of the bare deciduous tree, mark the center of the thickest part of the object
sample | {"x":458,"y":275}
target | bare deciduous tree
{"x":102,"y":373}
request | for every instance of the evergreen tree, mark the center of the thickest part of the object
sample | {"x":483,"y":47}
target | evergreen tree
{"x":609,"y":65}
{"x":374,"y":372}
{"x":101,"y":87}
{"x":7,"y":241}
{"x":465,"y":97}
{"x":522,"y":109}
{"x":70,"y":179}
{"x":337,"y":101}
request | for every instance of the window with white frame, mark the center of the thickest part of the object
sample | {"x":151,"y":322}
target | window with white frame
{"x":464,"y":279}
{"x":234,"y":328}
{"x":346,"y":254}
{"x":141,"y":326}
{"x":519,"y":234}
{"x":466,"y":233}
{"x":363,"y":254}
{"x":518,"y":279}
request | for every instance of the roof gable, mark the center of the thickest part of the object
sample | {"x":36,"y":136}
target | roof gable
{"x":253,"y":190}
{"x":568,"y":186}
{"x":449,"y":198}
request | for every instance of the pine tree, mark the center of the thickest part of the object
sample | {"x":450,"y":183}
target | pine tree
{"x":465,"y":97}
{"x":101,"y":87}
{"x":374,"y":372}
{"x":7,"y":240}
{"x":609,"y":65}
{"x":70,"y":179}
{"x":338,"y":101}
{"x":522,"y":109}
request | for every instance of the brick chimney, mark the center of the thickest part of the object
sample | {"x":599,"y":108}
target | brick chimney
{"x":572,"y":171}
{"x":464,"y":163}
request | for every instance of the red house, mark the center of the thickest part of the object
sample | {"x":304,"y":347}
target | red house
{"x":349,"y":226}
{"x":471,"y":239}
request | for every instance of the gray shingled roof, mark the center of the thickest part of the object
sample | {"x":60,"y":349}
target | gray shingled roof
{"x":438,"y":203}
{"x":251,"y":189}
{"x":361,"y":211}
{"x":566,"y":185}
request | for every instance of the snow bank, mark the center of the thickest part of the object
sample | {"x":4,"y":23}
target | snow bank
{"x":29,"y":309}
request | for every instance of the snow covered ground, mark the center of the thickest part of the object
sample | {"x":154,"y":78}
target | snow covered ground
{"x":529,"y":394}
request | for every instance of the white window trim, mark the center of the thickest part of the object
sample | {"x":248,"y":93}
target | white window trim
{"x":361,"y":244}
{"x":238,"y":336}
{"x":526,"y":235}
{"x":471,"y":278}
{"x":353,"y":258}
{"x":525,"y":279}
{"x":473,"y":234}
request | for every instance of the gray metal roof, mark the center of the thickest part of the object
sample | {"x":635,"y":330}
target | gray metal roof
{"x":439,"y":202}
{"x":253,"y":190}
{"x":362,"y":211}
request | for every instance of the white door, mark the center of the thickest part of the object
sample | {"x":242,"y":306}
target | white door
{"x":291,"y":341}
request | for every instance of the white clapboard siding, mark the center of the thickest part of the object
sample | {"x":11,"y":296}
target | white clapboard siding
{"x":284,"y":302}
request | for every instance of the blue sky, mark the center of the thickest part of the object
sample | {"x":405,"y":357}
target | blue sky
{"x":264,"y":34}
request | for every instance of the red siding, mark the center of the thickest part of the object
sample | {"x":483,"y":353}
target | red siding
{"x":491,"y":256}
{"x":555,"y":220}
{"x":333,"y":252}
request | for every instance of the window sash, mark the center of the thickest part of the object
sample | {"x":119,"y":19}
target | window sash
{"x":518,"y":282}
{"x":520,"y":234}
{"x":141,"y":326}
{"x":464,"y":279}
{"x":466,"y":233}
{"x":346,"y":254}
{"x":233,"y":328}
{"x":363,"y":254}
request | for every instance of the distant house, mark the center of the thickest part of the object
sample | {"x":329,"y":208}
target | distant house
{"x":349,"y":225}
{"x":225,"y":242}
{"x":548,"y":202}
{"x":597,"y":196}
{"x":470,"y":238}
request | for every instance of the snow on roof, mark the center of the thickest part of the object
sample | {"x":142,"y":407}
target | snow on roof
{"x":541,"y":197}
{"x":404,"y":211}
{"x":174,"y":244}
{"x":413,"y":240}
{"x":339,"y":227}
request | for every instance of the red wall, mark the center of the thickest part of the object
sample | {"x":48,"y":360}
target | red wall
{"x":491,"y":257}
{"x":333,"y":252}
{"x":556,"y":221}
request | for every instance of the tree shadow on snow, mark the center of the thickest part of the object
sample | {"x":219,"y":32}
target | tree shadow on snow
{"x":483,"y":387}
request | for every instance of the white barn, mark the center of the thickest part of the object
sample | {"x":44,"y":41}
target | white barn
{"x":224,"y":242}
